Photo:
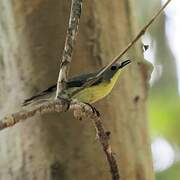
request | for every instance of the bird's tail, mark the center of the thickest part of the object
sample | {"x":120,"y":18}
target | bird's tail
{"x":32,"y":99}
{"x":41,"y":97}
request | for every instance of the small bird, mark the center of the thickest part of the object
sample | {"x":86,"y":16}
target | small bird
{"x":90,"y":94}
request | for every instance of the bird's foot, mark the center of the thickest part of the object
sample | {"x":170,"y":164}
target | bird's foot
{"x":94,"y":110}
{"x":66,"y":103}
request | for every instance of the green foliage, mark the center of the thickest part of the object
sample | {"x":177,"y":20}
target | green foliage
{"x":164,"y":116}
{"x":173,"y":173}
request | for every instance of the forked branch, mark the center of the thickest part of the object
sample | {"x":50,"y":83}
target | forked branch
{"x":63,"y":74}
{"x":80,"y":110}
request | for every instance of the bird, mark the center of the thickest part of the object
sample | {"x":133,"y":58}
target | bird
{"x":90,"y":94}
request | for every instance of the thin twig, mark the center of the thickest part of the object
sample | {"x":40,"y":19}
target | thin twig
{"x":142,"y":32}
{"x":75,"y":14}
{"x":137,"y":37}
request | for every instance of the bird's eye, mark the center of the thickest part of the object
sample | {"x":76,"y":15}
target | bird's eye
{"x":113,"y":68}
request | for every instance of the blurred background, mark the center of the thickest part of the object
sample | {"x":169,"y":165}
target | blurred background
{"x":164,"y":97}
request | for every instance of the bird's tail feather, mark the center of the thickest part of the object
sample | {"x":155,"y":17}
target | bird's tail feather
{"x":32,"y":99}
{"x":41,"y":97}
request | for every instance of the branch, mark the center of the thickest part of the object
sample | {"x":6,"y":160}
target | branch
{"x":45,"y":107}
{"x":80,"y":110}
{"x":104,"y":140}
{"x":50,"y":106}
{"x":75,"y":14}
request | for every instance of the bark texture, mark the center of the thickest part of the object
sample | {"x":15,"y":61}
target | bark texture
{"x":55,"y":146}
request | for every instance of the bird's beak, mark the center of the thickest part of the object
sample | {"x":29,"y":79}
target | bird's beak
{"x":124,"y":63}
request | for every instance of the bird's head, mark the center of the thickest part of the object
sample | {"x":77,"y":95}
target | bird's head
{"x":115,"y":69}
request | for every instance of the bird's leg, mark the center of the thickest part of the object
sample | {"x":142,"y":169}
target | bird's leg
{"x":94,"y":110}
{"x":66,"y":101}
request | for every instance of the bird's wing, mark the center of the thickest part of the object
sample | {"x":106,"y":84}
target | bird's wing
{"x":76,"y":81}
{"x":41,"y":94}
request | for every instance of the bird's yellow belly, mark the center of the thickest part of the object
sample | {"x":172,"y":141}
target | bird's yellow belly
{"x":94,"y":93}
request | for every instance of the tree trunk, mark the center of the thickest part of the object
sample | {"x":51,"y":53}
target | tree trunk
{"x":56,"y":146}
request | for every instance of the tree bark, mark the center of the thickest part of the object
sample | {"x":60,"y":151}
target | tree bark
{"x":55,"y":146}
